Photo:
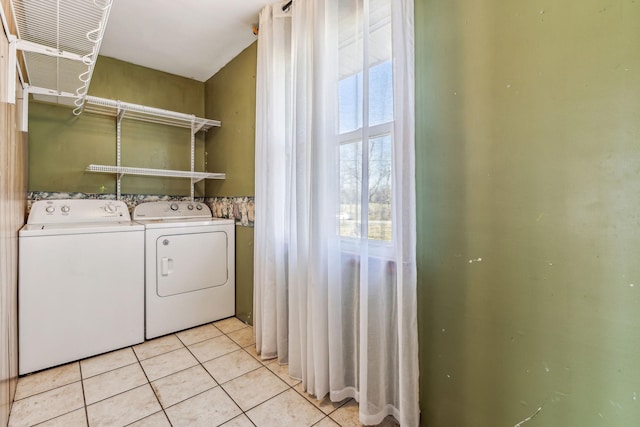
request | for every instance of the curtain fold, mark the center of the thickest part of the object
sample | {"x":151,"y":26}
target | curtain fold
{"x":335,"y":270}
{"x":272,"y":142}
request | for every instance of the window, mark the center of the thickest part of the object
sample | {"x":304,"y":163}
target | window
{"x":365,"y":97}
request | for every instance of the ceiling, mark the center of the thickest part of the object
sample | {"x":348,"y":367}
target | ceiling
{"x":190,"y":38}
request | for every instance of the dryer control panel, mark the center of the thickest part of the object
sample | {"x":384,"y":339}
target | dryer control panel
{"x":77,"y":211}
{"x":171,"y":210}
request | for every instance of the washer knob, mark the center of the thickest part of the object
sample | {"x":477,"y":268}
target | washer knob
{"x":174,"y":206}
{"x":109,"y":208}
{"x":190,"y":206}
{"x":65,"y":208}
{"x":50,"y":209}
{"x":199,"y":206}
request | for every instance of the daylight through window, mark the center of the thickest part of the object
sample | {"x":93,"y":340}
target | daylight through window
{"x":366,"y":114}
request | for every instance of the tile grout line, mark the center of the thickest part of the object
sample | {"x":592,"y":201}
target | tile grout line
{"x":152,"y":390}
{"x":218,"y":384}
{"x":242,"y":412}
{"x":326,"y":415}
{"x":56,"y":388}
{"x":110,"y":370}
{"x":264,"y":365}
{"x":84,"y":397}
{"x":201,"y":364}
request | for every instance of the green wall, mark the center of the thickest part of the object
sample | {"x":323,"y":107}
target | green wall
{"x":528,"y":212}
{"x":61,"y":145}
{"x":231,"y":98}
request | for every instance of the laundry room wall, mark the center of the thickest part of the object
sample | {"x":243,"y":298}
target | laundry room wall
{"x":231,"y":97}
{"x":62,"y":145}
{"x":13,"y":191}
{"x":528,"y":162}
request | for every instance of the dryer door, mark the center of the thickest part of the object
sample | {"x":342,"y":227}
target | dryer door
{"x":189,"y":262}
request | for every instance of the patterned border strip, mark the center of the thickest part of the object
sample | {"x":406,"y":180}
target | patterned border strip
{"x":241,"y":209}
{"x":132,"y":200}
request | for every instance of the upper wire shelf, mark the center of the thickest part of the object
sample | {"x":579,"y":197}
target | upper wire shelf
{"x":60,"y":41}
{"x":110,"y":107}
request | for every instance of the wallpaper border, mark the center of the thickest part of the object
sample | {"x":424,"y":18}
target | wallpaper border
{"x":240,"y":208}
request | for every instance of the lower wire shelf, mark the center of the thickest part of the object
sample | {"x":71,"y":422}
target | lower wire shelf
{"x":126,"y":170}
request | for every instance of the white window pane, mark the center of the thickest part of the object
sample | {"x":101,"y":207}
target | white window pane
{"x":380,"y":94}
{"x":350,"y":38}
{"x":379,"y":31}
{"x":350,"y":100}
{"x":379,"y":224}
{"x":350,"y":189}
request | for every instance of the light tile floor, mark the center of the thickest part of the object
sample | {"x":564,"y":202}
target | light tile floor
{"x":206,"y":376}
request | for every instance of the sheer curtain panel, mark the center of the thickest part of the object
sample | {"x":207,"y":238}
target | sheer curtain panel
{"x":273,"y":137}
{"x":335,"y":272}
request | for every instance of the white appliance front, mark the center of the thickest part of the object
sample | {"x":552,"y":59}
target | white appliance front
{"x":81,"y":290}
{"x":190,"y":274}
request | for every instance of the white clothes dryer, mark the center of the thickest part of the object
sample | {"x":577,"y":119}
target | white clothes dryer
{"x":81,"y":282}
{"x":189,"y":266}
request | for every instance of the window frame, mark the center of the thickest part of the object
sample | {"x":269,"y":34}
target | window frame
{"x":358,"y":136}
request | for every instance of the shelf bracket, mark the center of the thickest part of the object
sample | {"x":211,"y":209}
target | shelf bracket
{"x":193,"y":154}
{"x":196,"y":127}
{"x":11,"y":75}
{"x":120,"y":116}
{"x":27,"y":46}
{"x":23,"y":106}
{"x":36,"y":90}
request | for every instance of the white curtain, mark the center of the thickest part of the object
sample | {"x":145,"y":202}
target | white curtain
{"x":335,"y":271}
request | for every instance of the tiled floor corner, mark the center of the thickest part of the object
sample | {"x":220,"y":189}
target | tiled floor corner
{"x":210,"y":375}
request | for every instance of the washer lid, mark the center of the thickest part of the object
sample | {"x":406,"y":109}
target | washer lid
{"x":31,"y":230}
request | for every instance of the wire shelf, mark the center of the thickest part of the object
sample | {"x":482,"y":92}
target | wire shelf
{"x":112,"y":108}
{"x":125,"y":170}
{"x":60,"y":40}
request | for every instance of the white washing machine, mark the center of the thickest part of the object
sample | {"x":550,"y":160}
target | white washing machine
{"x":190,"y":266}
{"x":81,"y":282}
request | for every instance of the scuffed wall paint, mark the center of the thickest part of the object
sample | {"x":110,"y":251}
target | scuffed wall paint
{"x":528,"y":212}
{"x":230,"y":97}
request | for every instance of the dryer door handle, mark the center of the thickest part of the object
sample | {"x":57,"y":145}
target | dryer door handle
{"x":166,"y":266}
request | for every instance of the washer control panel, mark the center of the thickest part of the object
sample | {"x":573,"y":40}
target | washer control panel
{"x":77,"y":210}
{"x":171,"y":210}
